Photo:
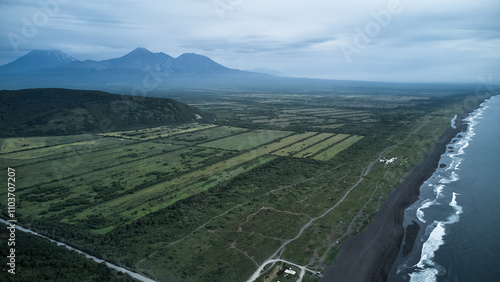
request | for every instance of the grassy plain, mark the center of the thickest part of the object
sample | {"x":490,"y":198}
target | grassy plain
{"x":248,"y":140}
{"x":211,"y":202}
{"x":325,"y":144}
{"x":304,"y":144}
{"x":25,"y":143}
{"x":320,"y":146}
{"x":158,"y":132}
{"x":331,"y":152}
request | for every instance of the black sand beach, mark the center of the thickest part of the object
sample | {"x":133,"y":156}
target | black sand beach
{"x":369,"y":255}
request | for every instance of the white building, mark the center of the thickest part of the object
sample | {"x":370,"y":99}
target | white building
{"x":290,"y":271}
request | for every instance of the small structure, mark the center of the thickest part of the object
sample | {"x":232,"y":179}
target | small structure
{"x":290,"y":271}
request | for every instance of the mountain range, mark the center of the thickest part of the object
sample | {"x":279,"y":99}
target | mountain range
{"x":139,"y":59}
{"x":140,"y":68}
{"x":142,"y":72}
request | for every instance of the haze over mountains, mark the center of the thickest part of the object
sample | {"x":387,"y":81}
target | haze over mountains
{"x":36,"y":60}
{"x":141,"y":67}
{"x":142,"y":72}
{"x":139,"y":59}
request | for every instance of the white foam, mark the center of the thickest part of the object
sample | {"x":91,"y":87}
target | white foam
{"x":461,"y":149}
{"x":453,"y":122}
{"x":428,"y":203}
{"x":426,"y":275}
{"x":439,"y":191}
{"x":453,"y":202}
{"x":420,"y":212}
{"x":458,"y":210}
{"x":454,"y":177}
{"x":427,"y":268}
{"x":431,"y":246}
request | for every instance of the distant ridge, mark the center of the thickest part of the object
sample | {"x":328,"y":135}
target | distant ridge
{"x":140,"y":59}
{"x":155,"y":74}
{"x":52,"y":111}
{"x":138,"y":68}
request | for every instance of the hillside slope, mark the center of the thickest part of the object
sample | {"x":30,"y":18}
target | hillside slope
{"x":54,"y":111}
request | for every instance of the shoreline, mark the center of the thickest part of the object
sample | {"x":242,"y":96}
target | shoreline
{"x":370,"y":255}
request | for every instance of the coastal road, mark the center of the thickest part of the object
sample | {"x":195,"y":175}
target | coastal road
{"x":98,"y":260}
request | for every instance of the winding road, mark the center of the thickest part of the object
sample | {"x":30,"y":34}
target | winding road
{"x":276,"y":256}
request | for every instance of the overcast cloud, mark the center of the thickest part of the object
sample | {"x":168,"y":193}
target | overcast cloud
{"x":386,"y":40}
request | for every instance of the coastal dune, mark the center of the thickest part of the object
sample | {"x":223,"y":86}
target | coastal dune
{"x":369,"y":255}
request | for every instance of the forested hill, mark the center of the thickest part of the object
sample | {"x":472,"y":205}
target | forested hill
{"x":52,"y":111}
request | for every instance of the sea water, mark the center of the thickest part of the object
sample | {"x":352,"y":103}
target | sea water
{"x":459,"y":209}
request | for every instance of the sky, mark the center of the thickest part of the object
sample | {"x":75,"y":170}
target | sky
{"x":374,"y":40}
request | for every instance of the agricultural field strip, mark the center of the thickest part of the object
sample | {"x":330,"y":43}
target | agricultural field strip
{"x":128,"y":175}
{"x":12,"y":144}
{"x":314,"y":110}
{"x":337,"y":148}
{"x":159,"y":134}
{"x":329,"y":126}
{"x":253,"y":117}
{"x":315,"y":113}
{"x":214,"y":133}
{"x":321,"y":145}
{"x":46,"y":172}
{"x":247,"y":140}
{"x":185,"y":182}
{"x":131,"y":134}
{"x":362,"y":118}
{"x":114,"y":154}
{"x":44,"y":146}
{"x":276,"y":145}
{"x":288,"y":120}
{"x":44,"y":154}
{"x":299,"y":146}
{"x":343,"y":115}
{"x":350,"y":116}
{"x":272,"y":120}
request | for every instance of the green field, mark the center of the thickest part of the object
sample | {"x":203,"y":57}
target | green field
{"x":212,"y":133}
{"x":64,"y":152}
{"x":25,"y":143}
{"x":158,"y":132}
{"x":212,"y":201}
{"x":245,"y":141}
{"x":84,"y":162}
{"x":81,"y":181}
{"x":302,"y":145}
{"x":320,"y":146}
{"x":331,"y":152}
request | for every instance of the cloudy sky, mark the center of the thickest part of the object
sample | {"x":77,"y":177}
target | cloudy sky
{"x":378,"y":40}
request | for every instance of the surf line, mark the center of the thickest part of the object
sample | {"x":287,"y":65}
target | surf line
{"x":427,"y":268}
{"x":98,"y":260}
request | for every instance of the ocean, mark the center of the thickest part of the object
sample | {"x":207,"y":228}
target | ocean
{"x":458,"y":210}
